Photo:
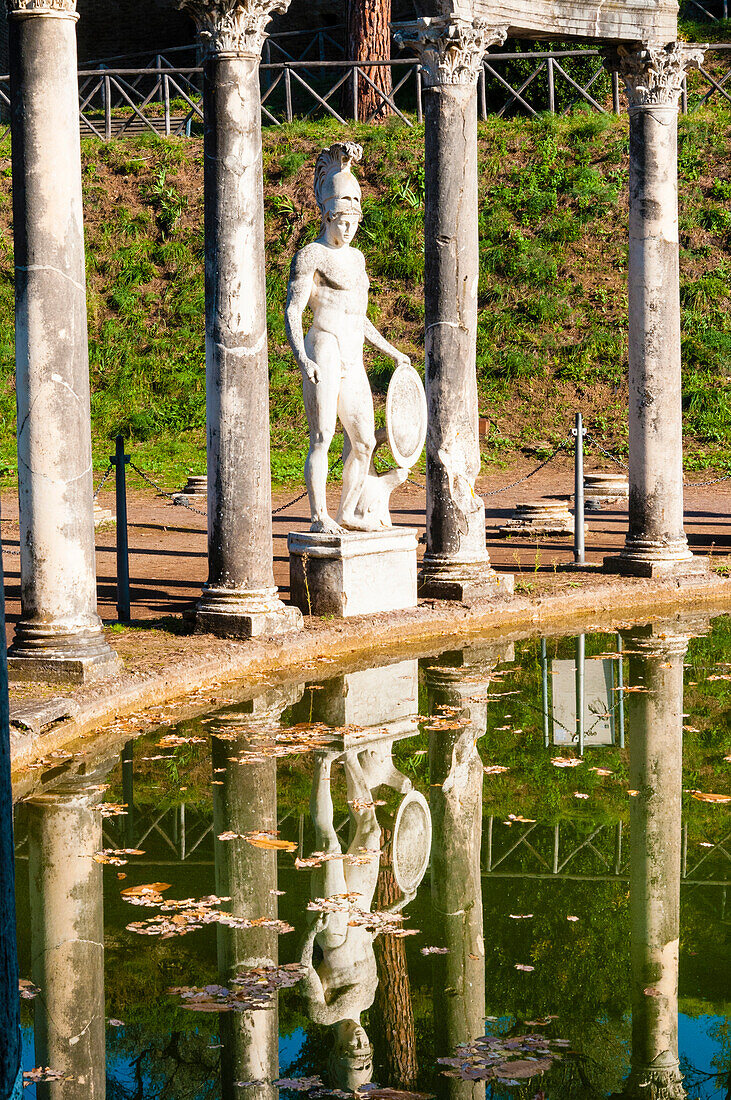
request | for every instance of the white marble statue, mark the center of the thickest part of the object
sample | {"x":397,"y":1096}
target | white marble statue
{"x":330,"y":277}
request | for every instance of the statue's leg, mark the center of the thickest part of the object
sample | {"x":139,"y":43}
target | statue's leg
{"x":321,"y":406}
{"x":355,"y":409}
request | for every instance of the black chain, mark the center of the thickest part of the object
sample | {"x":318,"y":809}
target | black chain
{"x":703,"y":484}
{"x":608,"y":454}
{"x":165,"y":493}
{"x":561,"y":447}
{"x":296,"y":500}
{"x":103,"y":481}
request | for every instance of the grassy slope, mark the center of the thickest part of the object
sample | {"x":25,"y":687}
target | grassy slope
{"x":552,"y":327}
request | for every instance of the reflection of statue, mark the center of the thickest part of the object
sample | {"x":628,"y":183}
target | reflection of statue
{"x":330,"y":277}
{"x":342,"y":986}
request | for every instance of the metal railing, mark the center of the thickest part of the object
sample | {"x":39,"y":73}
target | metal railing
{"x":165,"y":98}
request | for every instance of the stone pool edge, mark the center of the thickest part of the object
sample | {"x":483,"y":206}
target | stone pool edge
{"x":433,"y":625}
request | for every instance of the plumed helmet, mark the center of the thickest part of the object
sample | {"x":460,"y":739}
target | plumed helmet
{"x":336,"y":189}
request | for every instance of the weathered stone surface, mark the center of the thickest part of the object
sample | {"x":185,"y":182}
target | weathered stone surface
{"x":329,"y":277}
{"x":59,"y":620}
{"x":656,"y":536}
{"x":240,"y":578}
{"x":653,"y":21}
{"x":356,"y":573}
{"x":39,"y":715}
{"x":540,"y":518}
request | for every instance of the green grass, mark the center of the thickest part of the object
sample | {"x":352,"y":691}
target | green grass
{"x":552,"y":330}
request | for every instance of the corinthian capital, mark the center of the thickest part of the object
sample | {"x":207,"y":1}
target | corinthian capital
{"x":654,"y":75}
{"x":41,"y":7}
{"x":450,"y":50}
{"x":233,"y":26}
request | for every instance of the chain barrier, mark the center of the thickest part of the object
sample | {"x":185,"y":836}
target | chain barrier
{"x":608,"y":454}
{"x":561,"y":447}
{"x":103,"y":481}
{"x":296,"y":500}
{"x":165,"y":493}
{"x":704,"y":484}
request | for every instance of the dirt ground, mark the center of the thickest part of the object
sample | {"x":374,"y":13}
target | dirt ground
{"x":168,"y":562}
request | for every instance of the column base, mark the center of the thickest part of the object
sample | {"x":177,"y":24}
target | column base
{"x":442,"y":579}
{"x":629,"y":565}
{"x":39,"y":652}
{"x":230,"y":613}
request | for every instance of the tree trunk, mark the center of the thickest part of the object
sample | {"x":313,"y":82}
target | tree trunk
{"x":392,"y":1018}
{"x":369,"y":39}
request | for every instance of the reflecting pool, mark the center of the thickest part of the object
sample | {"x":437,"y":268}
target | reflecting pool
{"x":495,"y":872}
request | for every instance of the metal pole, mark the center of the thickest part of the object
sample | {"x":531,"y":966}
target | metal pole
{"x":580,"y":658}
{"x":578,"y":431}
{"x":684,"y":97}
{"x":9,"y":1001}
{"x":551,"y":88}
{"x":355,"y":93}
{"x":166,"y":101}
{"x":119,"y":460}
{"x":616,"y":102}
{"x":725,"y":9}
{"x":128,"y":778}
{"x":544,"y":693}
{"x":483,"y":94}
{"x":419,"y":104}
{"x":620,"y":690}
{"x":107,"y":109}
{"x":287,"y":94}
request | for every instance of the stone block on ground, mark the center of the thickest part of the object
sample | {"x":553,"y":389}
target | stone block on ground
{"x":356,"y":573}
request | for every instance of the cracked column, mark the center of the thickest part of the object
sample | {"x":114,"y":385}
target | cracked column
{"x":456,"y":562}
{"x":67,"y":941}
{"x":240,"y":599}
{"x":59,"y":635}
{"x":656,"y":769}
{"x":656,"y":544}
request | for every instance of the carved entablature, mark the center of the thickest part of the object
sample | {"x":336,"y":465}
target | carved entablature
{"x":654,"y":75}
{"x":234,"y":27}
{"x":451,"y":51}
{"x":41,"y":7}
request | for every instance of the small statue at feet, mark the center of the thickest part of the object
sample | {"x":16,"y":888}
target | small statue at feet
{"x":330,"y":277}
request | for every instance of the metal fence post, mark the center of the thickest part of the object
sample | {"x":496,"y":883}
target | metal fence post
{"x":287,"y":93}
{"x":579,"y":433}
{"x":483,"y":94}
{"x":166,"y":101}
{"x":616,"y":102}
{"x":355,"y":93}
{"x":419,"y":104}
{"x":579,"y":684}
{"x":107,"y":108}
{"x":551,"y":87}
{"x":684,"y":97}
{"x":119,"y":460}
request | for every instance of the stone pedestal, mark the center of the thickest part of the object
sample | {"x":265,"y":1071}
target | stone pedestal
{"x":195,"y":491}
{"x":358,"y":573}
{"x":602,"y":489}
{"x":656,"y":544}
{"x":240,"y":598}
{"x":59,"y":635}
{"x":456,"y":563}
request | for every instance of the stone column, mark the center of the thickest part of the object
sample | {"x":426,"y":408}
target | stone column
{"x":59,"y":635}
{"x":67,"y":941}
{"x":240,"y":599}
{"x":656,"y":767}
{"x":656,"y":544}
{"x":456,"y":562}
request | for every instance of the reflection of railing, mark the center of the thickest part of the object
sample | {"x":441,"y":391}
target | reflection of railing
{"x":164,"y":97}
{"x":596,"y":854}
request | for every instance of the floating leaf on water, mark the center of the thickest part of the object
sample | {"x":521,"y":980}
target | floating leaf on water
{"x":572,"y":918}
{"x":150,"y":889}
{"x":375,"y":1093}
{"x":263,"y":839}
{"x":522,"y":966}
{"x":43,"y":1073}
{"x":650,"y":991}
{"x":115,"y":1023}
{"x":702,"y":796}
{"x":565,"y":762}
{"x":517,"y":818}
{"x":27,"y":990}
{"x":632,"y":793}
{"x":521,"y":916}
{"x":602,"y":771}
{"x":112,"y":809}
{"x":580,"y":794}
{"x":172,"y":740}
{"x":435,"y":950}
{"x":495,"y":769}
{"x":251,"y":989}
{"x":113,"y":856}
{"x":299,"y":1084}
{"x":360,"y":804}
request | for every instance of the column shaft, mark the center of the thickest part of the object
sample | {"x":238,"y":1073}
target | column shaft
{"x":656,"y":542}
{"x":240,"y":598}
{"x":456,"y":562}
{"x":59,"y":628}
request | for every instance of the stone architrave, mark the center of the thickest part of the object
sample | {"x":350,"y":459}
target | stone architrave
{"x":59,"y":635}
{"x":240,"y":598}
{"x":456,"y":562}
{"x":656,"y":544}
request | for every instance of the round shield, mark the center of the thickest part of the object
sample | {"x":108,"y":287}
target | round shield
{"x":411,"y":845}
{"x":406,"y":416}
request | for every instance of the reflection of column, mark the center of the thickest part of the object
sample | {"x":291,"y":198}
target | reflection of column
{"x":67,"y":941}
{"x":240,"y":598}
{"x":59,"y":626}
{"x":456,"y":562}
{"x":656,"y":764}
{"x":656,"y":542}
{"x":245,"y":800}
{"x":456,"y":776}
